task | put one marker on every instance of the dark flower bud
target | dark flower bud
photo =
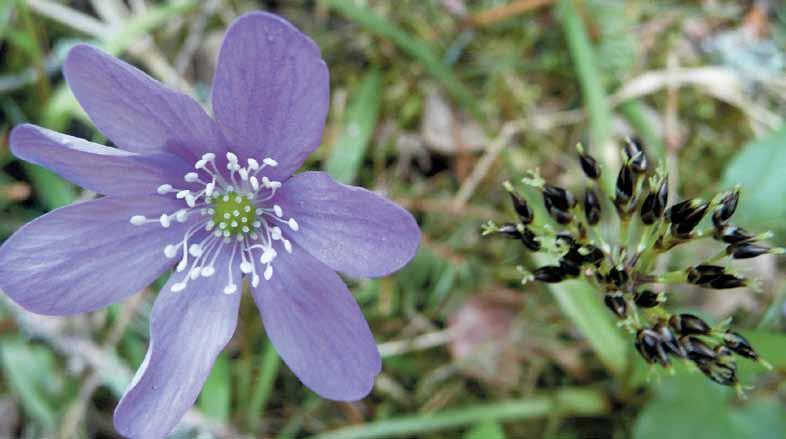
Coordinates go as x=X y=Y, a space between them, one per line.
x=549 y=274
x=697 y=350
x=529 y=239
x=590 y=166
x=739 y=345
x=746 y=250
x=646 y=299
x=509 y=230
x=616 y=303
x=703 y=273
x=724 y=373
x=663 y=197
x=689 y=221
x=669 y=341
x=635 y=153
x=732 y=234
x=592 y=208
x=626 y=184
x=569 y=267
x=649 y=346
x=522 y=208
x=648 y=216
x=727 y=281
x=617 y=276
x=592 y=255
x=557 y=197
x=688 y=324
x=682 y=210
x=726 y=208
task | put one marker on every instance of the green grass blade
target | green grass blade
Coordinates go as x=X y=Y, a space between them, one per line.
x=359 y=122
x=264 y=386
x=414 y=47
x=565 y=402
x=215 y=399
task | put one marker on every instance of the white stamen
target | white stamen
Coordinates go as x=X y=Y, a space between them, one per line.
x=178 y=287
x=270 y=162
x=293 y=224
x=170 y=251
x=209 y=157
x=275 y=233
x=255 y=281
x=254 y=183
x=232 y=158
x=246 y=267
x=287 y=245
x=229 y=289
x=277 y=209
x=164 y=189
x=195 y=250
x=138 y=220
x=181 y=216
x=165 y=221
x=253 y=164
x=268 y=272
x=208 y=271
x=191 y=177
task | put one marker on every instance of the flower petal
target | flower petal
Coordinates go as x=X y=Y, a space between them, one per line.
x=188 y=330
x=318 y=328
x=135 y=111
x=87 y=255
x=108 y=171
x=271 y=91
x=348 y=228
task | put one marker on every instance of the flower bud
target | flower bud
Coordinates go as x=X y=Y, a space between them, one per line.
x=616 y=303
x=739 y=345
x=732 y=234
x=727 y=281
x=669 y=341
x=703 y=273
x=746 y=250
x=592 y=207
x=726 y=209
x=689 y=324
x=697 y=350
x=508 y=230
x=636 y=156
x=558 y=203
x=529 y=239
x=589 y=165
x=522 y=208
x=649 y=346
x=626 y=184
x=549 y=274
x=646 y=299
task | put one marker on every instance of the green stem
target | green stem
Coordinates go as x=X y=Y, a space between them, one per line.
x=672 y=277
x=564 y=402
x=262 y=390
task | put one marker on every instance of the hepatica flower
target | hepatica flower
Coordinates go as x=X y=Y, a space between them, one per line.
x=214 y=198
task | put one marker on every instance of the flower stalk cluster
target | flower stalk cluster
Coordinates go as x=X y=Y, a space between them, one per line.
x=624 y=269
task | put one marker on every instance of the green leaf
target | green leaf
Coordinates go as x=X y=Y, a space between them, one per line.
x=359 y=122
x=29 y=369
x=414 y=47
x=264 y=385
x=486 y=430
x=760 y=169
x=216 y=397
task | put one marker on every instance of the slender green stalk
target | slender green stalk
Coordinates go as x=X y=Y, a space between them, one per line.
x=264 y=386
x=633 y=111
x=563 y=402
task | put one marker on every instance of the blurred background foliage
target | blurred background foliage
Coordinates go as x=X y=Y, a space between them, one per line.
x=434 y=104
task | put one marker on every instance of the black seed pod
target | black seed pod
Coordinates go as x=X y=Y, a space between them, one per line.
x=549 y=274
x=522 y=208
x=727 y=281
x=557 y=197
x=739 y=344
x=590 y=166
x=688 y=324
x=593 y=255
x=509 y=230
x=662 y=197
x=569 y=267
x=529 y=239
x=616 y=303
x=732 y=234
x=726 y=209
x=648 y=216
x=635 y=153
x=646 y=299
x=689 y=221
x=626 y=183
x=617 y=277
x=703 y=273
x=649 y=346
x=680 y=211
x=722 y=373
x=697 y=350
x=592 y=208
x=746 y=250
x=669 y=341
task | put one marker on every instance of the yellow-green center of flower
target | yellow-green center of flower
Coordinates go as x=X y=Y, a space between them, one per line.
x=233 y=213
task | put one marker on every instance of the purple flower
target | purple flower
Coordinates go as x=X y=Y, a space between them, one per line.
x=217 y=200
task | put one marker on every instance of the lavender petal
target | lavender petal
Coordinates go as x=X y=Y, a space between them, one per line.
x=318 y=328
x=188 y=329
x=271 y=91
x=87 y=255
x=348 y=228
x=135 y=111
x=108 y=171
